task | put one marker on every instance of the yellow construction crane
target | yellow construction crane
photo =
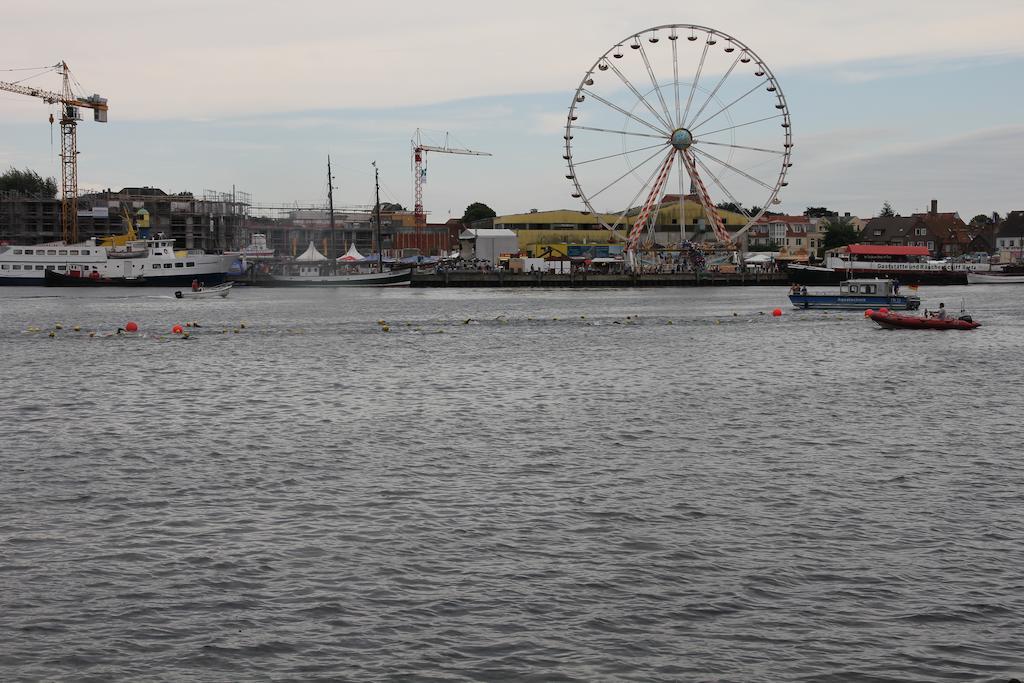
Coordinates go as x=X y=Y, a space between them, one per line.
x=70 y=115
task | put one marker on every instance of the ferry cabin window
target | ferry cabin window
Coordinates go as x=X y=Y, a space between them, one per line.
x=190 y=264
x=3 y=266
x=167 y=265
x=15 y=267
x=869 y=289
x=85 y=252
x=17 y=251
x=854 y=289
x=28 y=252
x=73 y=252
x=179 y=265
x=37 y=267
x=47 y=267
x=62 y=252
x=51 y=252
x=62 y=267
x=156 y=266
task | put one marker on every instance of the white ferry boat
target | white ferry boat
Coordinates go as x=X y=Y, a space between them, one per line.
x=909 y=265
x=153 y=261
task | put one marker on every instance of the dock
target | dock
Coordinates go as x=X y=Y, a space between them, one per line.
x=502 y=278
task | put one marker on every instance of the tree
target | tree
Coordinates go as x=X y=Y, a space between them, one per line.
x=391 y=206
x=981 y=219
x=819 y=212
x=28 y=182
x=887 y=210
x=839 y=232
x=477 y=211
x=730 y=206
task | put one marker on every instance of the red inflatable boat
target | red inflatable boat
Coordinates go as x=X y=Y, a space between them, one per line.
x=895 y=321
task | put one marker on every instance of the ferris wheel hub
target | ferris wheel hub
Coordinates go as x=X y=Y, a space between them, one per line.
x=682 y=138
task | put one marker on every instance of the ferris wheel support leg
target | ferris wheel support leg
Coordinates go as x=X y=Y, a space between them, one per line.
x=645 y=213
x=705 y=199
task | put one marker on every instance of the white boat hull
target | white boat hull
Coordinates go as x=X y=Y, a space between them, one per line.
x=991 y=279
x=392 y=278
x=205 y=293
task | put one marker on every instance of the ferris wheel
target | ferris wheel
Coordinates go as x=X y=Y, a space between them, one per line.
x=674 y=110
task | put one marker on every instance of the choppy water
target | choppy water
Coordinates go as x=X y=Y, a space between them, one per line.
x=508 y=485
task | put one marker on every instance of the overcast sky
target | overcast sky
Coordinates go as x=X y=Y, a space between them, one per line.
x=891 y=101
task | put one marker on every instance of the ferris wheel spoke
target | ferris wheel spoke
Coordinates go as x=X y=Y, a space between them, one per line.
x=623 y=111
x=675 y=77
x=654 y=83
x=740 y=125
x=620 y=154
x=718 y=86
x=717 y=181
x=734 y=169
x=641 y=98
x=780 y=152
x=619 y=132
x=628 y=171
x=696 y=80
x=726 y=107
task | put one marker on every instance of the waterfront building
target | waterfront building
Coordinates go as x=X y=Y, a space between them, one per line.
x=212 y=222
x=487 y=244
x=1010 y=238
x=944 y=234
x=537 y=230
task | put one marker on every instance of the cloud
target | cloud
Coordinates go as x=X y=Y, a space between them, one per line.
x=193 y=60
x=967 y=173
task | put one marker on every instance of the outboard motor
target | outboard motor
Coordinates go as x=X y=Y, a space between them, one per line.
x=966 y=318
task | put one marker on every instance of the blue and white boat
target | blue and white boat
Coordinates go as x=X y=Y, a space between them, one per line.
x=858 y=295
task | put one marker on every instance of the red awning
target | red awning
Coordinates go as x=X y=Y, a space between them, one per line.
x=882 y=250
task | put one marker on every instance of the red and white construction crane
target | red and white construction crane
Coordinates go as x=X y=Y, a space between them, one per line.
x=419 y=159
x=69 y=117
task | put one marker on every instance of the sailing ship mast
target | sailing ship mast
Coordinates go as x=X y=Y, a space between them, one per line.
x=376 y=210
x=330 y=205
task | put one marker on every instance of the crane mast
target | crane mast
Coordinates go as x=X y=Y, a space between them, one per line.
x=419 y=158
x=69 y=118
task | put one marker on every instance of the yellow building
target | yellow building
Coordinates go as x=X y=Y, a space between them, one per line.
x=541 y=231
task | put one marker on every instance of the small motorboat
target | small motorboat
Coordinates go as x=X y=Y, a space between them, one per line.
x=204 y=292
x=858 y=294
x=896 y=321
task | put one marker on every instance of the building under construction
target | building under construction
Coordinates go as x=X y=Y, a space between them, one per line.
x=214 y=221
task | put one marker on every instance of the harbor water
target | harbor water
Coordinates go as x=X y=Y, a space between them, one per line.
x=648 y=485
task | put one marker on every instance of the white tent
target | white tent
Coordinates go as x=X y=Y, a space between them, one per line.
x=311 y=254
x=351 y=255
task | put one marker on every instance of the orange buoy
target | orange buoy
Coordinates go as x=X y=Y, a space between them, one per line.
x=177 y=329
x=131 y=326
x=777 y=312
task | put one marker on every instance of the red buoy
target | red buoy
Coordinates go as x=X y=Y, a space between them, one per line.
x=177 y=329
x=777 y=312
x=131 y=326
x=868 y=313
